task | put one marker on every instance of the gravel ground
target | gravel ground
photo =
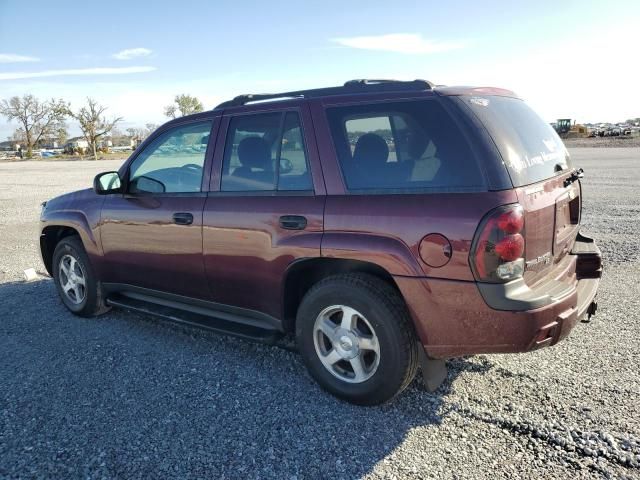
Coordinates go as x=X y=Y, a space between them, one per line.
x=603 y=142
x=127 y=396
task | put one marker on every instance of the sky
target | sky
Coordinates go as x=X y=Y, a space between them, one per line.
x=567 y=59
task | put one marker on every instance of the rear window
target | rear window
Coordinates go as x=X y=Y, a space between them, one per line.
x=402 y=146
x=530 y=147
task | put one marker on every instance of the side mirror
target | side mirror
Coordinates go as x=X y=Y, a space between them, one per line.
x=106 y=183
x=144 y=184
x=285 y=165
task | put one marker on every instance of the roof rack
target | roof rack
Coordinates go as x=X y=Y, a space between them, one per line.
x=352 y=86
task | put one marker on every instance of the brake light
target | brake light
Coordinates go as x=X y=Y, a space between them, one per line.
x=511 y=221
x=510 y=248
x=498 y=248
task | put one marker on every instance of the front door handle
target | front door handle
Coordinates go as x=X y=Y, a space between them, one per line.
x=293 y=222
x=182 y=218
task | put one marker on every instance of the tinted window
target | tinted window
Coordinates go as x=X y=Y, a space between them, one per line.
x=265 y=152
x=400 y=146
x=530 y=147
x=173 y=162
x=294 y=170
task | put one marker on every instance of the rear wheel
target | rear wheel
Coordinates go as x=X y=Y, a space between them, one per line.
x=74 y=278
x=356 y=338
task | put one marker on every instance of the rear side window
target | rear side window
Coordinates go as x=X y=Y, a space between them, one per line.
x=265 y=152
x=530 y=147
x=402 y=146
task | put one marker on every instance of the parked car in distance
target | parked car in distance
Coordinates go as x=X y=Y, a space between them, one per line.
x=387 y=225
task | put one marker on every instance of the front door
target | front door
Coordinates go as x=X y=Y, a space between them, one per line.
x=152 y=234
x=266 y=214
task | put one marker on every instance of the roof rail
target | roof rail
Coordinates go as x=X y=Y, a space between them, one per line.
x=352 y=86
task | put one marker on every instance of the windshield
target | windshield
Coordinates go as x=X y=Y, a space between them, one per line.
x=530 y=147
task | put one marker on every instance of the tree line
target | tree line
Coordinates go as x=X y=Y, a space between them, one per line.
x=45 y=120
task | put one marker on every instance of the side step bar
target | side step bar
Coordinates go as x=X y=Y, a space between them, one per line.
x=184 y=317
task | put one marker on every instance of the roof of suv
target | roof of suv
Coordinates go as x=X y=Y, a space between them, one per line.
x=364 y=87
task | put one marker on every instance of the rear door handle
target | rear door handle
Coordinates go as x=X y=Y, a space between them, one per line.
x=182 y=218
x=293 y=222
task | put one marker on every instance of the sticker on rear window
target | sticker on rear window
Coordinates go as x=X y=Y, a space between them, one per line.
x=550 y=144
x=483 y=102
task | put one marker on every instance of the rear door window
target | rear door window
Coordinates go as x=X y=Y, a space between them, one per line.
x=265 y=152
x=402 y=146
x=530 y=147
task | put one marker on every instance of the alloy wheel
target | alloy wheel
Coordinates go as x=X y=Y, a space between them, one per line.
x=72 y=279
x=346 y=344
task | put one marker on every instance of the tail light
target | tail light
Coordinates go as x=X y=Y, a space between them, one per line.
x=497 y=253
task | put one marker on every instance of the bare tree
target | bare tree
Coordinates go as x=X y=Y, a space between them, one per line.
x=93 y=124
x=183 y=105
x=37 y=118
x=139 y=134
x=57 y=134
x=151 y=127
x=18 y=136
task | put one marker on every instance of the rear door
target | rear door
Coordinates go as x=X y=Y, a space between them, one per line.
x=265 y=209
x=541 y=171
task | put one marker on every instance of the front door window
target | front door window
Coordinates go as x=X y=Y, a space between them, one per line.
x=173 y=162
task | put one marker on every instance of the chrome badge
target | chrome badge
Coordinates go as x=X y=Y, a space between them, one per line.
x=540 y=261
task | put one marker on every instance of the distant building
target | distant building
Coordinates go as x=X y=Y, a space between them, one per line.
x=77 y=142
x=105 y=143
x=76 y=145
x=9 y=146
x=48 y=144
x=122 y=141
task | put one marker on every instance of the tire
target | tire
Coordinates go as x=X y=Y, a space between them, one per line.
x=381 y=320
x=87 y=300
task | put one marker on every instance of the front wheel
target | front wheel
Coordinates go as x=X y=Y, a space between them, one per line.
x=356 y=338
x=75 y=281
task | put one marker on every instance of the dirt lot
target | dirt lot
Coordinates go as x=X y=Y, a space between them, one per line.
x=604 y=142
x=127 y=396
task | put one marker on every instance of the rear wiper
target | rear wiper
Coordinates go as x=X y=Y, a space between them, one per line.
x=575 y=175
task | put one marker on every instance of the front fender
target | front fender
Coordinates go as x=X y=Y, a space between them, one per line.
x=78 y=222
x=63 y=213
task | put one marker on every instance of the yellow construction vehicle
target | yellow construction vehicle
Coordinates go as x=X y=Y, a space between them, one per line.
x=566 y=129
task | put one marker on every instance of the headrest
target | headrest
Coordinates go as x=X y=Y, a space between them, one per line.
x=371 y=148
x=254 y=152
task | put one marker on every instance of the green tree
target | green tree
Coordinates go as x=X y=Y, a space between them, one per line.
x=38 y=119
x=183 y=105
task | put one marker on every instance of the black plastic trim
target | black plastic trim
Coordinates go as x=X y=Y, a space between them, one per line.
x=180 y=316
x=517 y=296
x=589 y=262
x=587 y=290
x=350 y=87
x=227 y=313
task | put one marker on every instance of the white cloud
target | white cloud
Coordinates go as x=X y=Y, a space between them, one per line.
x=533 y=75
x=76 y=71
x=13 y=58
x=130 y=53
x=410 y=43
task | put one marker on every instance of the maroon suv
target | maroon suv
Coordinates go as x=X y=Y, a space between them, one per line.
x=389 y=225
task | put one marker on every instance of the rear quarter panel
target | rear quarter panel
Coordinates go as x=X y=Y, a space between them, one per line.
x=387 y=229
